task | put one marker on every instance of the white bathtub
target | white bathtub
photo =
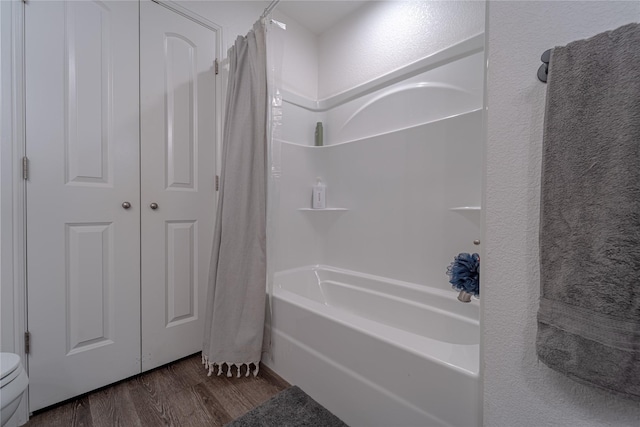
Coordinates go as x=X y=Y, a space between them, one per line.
x=376 y=351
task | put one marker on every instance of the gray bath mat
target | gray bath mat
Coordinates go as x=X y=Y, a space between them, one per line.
x=289 y=408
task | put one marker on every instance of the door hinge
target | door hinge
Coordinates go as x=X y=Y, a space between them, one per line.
x=27 y=342
x=217 y=182
x=25 y=167
x=215 y=66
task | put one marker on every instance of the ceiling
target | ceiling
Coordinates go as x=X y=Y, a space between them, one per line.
x=318 y=16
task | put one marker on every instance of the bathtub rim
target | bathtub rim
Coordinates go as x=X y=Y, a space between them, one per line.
x=412 y=287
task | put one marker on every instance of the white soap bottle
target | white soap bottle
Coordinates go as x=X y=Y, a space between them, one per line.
x=319 y=195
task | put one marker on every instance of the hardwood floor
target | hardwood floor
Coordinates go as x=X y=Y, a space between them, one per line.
x=179 y=394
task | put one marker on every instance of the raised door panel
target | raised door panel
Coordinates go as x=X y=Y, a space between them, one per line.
x=82 y=127
x=178 y=95
x=182 y=272
x=89 y=272
x=181 y=112
x=88 y=126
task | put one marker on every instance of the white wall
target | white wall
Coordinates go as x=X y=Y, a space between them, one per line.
x=300 y=60
x=519 y=390
x=383 y=36
x=235 y=17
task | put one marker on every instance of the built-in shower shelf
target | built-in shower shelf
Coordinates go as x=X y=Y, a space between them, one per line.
x=466 y=209
x=325 y=209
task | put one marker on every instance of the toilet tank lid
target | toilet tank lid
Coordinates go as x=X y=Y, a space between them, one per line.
x=9 y=362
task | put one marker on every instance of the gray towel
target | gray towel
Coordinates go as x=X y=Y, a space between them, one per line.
x=589 y=316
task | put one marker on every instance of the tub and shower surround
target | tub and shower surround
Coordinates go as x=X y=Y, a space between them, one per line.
x=404 y=161
x=364 y=319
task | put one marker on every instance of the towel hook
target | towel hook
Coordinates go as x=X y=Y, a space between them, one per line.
x=544 y=68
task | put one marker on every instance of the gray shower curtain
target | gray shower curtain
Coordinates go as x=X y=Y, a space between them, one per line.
x=234 y=320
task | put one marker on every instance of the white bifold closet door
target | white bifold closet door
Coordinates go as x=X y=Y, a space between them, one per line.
x=83 y=246
x=178 y=120
x=113 y=125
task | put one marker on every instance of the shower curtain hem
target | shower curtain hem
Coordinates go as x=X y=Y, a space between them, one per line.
x=210 y=366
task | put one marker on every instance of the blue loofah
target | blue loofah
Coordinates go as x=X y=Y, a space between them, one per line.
x=464 y=273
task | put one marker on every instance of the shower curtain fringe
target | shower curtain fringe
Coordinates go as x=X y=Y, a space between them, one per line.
x=210 y=366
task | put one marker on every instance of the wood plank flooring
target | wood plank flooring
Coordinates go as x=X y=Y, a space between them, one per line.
x=179 y=394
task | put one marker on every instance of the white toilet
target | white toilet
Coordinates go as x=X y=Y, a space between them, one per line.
x=13 y=383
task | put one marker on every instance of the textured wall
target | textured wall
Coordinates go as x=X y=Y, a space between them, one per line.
x=300 y=58
x=519 y=390
x=235 y=17
x=388 y=35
